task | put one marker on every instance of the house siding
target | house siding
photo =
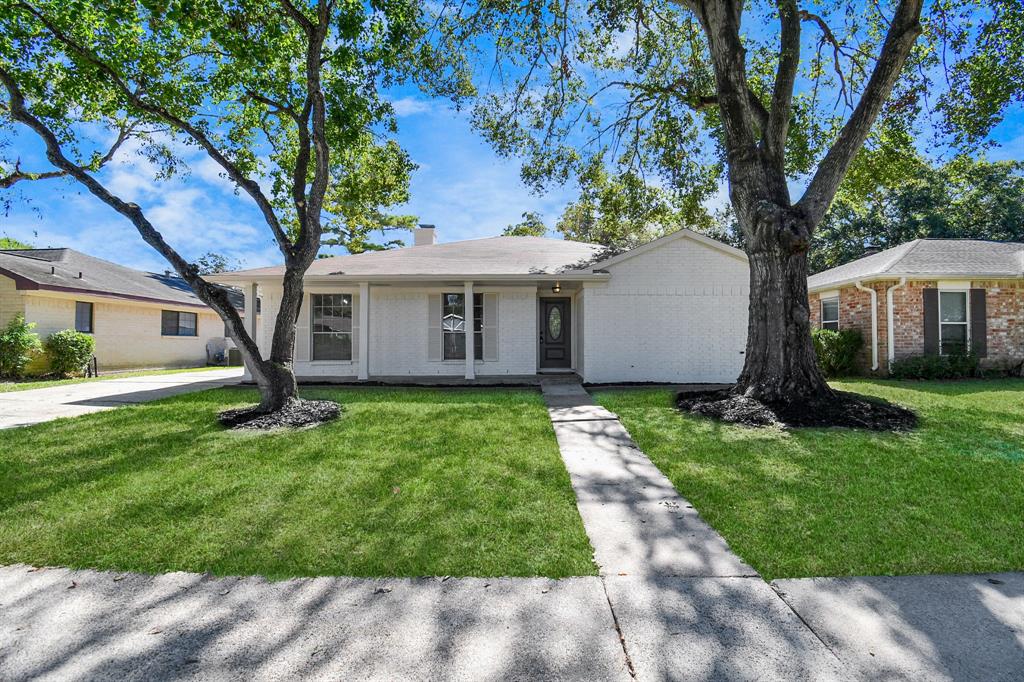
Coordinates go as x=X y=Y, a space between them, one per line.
x=676 y=313
x=399 y=325
x=128 y=335
x=1004 y=300
x=12 y=301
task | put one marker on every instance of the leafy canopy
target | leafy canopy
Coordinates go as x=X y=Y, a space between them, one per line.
x=161 y=74
x=628 y=86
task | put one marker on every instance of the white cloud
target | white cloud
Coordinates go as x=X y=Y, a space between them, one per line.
x=411 y=106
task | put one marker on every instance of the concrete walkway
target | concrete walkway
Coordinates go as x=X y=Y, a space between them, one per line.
x=686 y=605
x=21 y=408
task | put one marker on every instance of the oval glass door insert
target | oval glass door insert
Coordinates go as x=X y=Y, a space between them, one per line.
x=555 y=323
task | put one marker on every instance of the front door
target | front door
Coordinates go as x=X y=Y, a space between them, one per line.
x=555 y=351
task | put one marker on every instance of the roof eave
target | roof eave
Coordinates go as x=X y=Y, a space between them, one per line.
x=239 y=278
x=911 y=276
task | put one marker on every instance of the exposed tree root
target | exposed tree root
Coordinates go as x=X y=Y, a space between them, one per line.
x=842 y=409
x=295 y=414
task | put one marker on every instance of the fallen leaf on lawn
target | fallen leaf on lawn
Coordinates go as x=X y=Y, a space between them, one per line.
x=396 y=490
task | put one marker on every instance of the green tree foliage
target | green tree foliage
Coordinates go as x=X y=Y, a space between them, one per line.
x=11 y=243
x=532 y=225
x=366 y=180
x=211 y=263
x=774 y=98
x=284 y=96
x=964 y=198
x=17 y=344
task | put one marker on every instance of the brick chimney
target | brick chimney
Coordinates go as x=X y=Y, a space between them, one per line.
x=423 y=235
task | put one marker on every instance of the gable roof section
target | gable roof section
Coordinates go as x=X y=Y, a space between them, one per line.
x=930 y=258
x=492 y=257
x=58 y=270
x=683 y=233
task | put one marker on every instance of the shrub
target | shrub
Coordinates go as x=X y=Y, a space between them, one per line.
x=17 y=344
x=955 y=366
x=69 y=351
x=837 y=350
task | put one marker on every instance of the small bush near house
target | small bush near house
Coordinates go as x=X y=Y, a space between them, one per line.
x=837 y=350
x=955 y=366
x=17 y=344
x=69 y=352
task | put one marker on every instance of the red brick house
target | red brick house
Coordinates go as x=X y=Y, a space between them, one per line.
x=936 y=295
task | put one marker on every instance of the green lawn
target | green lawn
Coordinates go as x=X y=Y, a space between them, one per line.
x=947 y=498
x=8 y=386
x=408 y=482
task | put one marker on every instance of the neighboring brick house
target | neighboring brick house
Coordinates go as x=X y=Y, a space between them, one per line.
x=672 y=310
x=937 y=295
x=138 y=319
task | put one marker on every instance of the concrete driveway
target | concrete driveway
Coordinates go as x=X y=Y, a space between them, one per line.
x=21 y=408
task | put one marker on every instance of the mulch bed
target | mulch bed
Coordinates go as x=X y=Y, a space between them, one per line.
x=296 y=414
x=844 y=409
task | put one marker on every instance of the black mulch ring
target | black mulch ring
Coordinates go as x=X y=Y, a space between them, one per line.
x=296 y=414
x=844 y=409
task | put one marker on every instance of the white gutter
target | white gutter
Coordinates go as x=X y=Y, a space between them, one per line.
x=874 y=324
x=889 y=332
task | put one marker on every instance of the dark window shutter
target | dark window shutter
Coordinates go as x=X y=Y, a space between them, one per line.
x=931 y=321
x=979 y=323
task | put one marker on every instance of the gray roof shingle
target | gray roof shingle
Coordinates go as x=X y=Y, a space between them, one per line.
x=930 y=258
x=58 y=269
x=492 y=256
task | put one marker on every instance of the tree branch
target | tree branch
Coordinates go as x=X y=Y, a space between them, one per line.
x=213 y=296
x=8 y=181
x=776 y=129
x=899 y=41
x=250 y=186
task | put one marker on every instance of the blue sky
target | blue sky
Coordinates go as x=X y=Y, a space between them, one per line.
x=461 y=186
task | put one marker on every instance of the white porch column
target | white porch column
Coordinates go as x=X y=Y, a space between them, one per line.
x=470 y=336
x=364 y=331
x=250 y=292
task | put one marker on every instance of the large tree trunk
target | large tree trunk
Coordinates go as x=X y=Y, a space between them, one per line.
x=277 y=385
x=780 y=365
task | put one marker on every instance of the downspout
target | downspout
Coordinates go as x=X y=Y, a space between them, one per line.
x=890 y=332
x=874 y=324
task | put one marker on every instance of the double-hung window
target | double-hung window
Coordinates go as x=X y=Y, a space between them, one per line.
x=453 y=326
x=83 y=317
x=332 y=326
x=830 y=313
x=176 y=323
x=953 y=327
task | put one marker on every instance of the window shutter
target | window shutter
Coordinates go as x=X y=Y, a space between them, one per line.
x=434 y=327
x=490 y=326
x=931 y=321
x=355 y=326
x=979 y=323
x=302 y=336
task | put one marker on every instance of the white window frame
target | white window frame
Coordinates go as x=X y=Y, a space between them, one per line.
x=966 y=324
x=478 y=321
x=829 y=299
x=312 y=328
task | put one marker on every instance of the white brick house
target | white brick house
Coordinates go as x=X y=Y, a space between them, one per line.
x=673 y=310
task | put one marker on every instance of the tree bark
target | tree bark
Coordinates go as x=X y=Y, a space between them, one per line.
x=780 y=363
